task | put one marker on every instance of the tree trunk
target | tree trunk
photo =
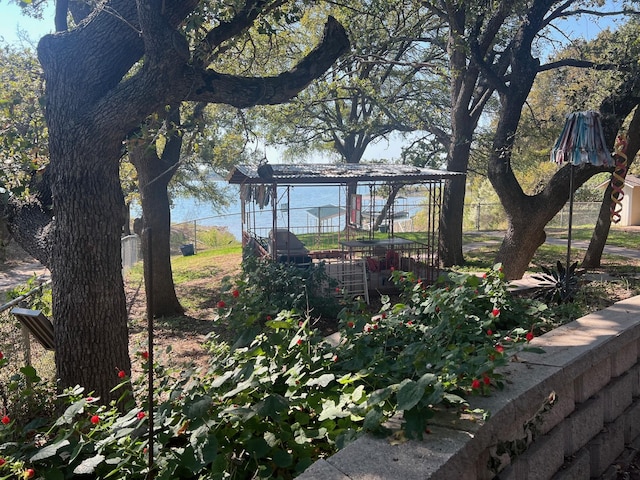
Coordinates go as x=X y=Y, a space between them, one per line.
x=451 y=215
x=466 y=106
x=154 y=175
x=89 y=307
x=593 y=255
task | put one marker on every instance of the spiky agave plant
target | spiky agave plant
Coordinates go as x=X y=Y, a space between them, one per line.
x=558 y=285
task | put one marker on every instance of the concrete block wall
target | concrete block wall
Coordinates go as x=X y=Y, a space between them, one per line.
x=565 y=414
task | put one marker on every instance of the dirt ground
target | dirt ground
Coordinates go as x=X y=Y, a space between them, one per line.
x=185 y=336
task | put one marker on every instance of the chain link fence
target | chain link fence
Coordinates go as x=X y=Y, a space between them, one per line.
x=491 y=216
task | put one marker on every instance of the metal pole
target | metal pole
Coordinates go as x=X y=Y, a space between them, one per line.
x=570 y=214
x=149 y=284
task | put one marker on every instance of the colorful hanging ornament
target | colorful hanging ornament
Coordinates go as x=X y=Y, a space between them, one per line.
x=618 y=176
x=582 y=141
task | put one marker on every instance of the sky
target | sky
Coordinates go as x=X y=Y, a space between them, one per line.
x=12 y=20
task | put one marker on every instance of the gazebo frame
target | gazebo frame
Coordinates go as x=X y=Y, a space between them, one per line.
x=260 y=186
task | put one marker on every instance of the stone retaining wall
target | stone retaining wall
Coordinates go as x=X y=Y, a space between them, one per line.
x=565 y=414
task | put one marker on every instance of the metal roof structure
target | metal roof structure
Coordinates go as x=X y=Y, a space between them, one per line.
x=287 y=174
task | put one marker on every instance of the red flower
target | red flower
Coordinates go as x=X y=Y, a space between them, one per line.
x=1 y=355
x=5 y=420
x=338 y=290
x=30 y=472
x=2 y=461
x=268 y=318
x=529 y=336
x=351 y=324
x=484 y=275
x=299 y=342
x=144 y=354
x=221 y=304
x=375 y=326
x=499 y=348
x=383 y=316
x=95 y=419
x=235 y=294
x=475 y=384
x=486 y=380
x=409 y=323
x=495 y=312
x=121 y=374
x=489 y=332
x=141 y=415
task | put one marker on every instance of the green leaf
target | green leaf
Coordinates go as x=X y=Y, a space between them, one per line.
x=283 y=459
x=272 y=406
x=49 y=450
x=330 y=411
x=70 y=413
x=54 y=474
x=322 y=380
x=379 y=396
x=88 y=466
x=410 y=392
x=278 y=324
x=373 y=420
x=198 y=408
x=258 y=447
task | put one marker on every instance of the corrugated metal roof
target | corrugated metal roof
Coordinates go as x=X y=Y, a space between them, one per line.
x=286 y=174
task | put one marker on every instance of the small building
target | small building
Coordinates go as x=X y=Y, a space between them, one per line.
x=365 y=247
x=630 y=213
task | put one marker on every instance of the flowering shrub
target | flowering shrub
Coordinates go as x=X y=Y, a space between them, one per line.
x=267 y=287
x=270 y=408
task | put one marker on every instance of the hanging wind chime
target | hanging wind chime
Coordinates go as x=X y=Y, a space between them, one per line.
x=581 y=141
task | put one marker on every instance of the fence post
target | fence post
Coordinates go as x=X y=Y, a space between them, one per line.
x=195 y=237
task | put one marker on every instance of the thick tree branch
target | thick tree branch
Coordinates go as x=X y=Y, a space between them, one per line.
x=30 y=225
x=135 y=98
x=242 y=20
x=241 y=92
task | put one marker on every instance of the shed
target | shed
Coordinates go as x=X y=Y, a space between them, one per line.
x=630 y=204
x=630 y=214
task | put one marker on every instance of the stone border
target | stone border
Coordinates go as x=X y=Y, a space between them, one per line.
x=565 y=414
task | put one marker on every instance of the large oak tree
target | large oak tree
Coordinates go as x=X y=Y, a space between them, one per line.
x=104 y=76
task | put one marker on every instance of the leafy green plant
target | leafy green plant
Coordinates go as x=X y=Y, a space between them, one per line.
x=40 y=294
x=267 y=287
x=271 y=406
x=558 y=285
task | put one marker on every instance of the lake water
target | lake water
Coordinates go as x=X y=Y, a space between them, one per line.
x=304 y=206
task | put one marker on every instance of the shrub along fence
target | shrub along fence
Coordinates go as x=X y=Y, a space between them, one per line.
x=564 y=414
